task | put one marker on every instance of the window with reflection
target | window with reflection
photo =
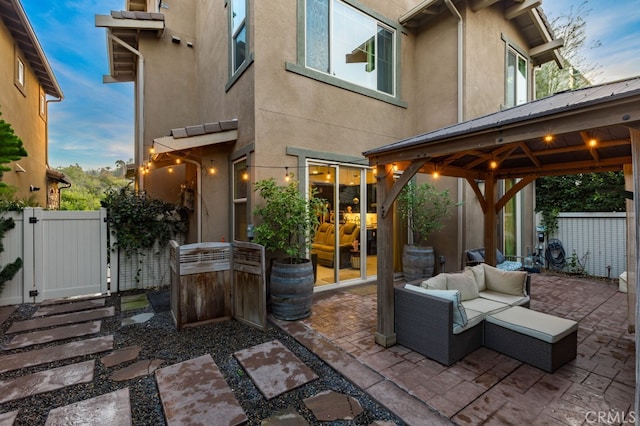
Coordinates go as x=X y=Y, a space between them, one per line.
x=516 y=73
x=238 y=33
x=350 y=45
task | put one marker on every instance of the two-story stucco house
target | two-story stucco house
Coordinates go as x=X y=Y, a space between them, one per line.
x=232 y=91
x=27 y=85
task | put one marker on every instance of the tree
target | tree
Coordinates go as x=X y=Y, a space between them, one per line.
x=88 y=188
x=11 y=149
x=577 y=71
x=588 y=192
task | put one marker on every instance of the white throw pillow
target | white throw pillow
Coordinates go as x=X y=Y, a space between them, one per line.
x=439 y=282
x=464 y=282
x=507 y=282
x=459 y=314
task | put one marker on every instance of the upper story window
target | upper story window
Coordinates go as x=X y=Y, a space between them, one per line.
x=20 y=72
x=42 y=109
x=350 y=45
x=517 y=79
x=238 y=33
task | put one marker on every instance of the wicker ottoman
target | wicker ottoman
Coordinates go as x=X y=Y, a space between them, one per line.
x=542 y=340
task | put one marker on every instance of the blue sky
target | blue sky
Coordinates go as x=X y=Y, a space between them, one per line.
x=93 y=125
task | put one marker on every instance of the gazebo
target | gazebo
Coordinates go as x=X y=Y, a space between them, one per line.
x=592 y=129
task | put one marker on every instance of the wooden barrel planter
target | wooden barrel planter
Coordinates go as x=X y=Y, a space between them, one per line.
x=417 y=262
x=291 y=289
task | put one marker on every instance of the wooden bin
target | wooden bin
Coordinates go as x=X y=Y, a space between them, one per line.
x=200 y=283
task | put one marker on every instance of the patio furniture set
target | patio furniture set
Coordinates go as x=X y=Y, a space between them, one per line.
x=452 y=314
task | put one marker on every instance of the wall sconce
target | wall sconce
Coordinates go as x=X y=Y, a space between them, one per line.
x=212 y=168
x=33 y=188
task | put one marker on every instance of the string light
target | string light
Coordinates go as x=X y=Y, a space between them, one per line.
x=593 y=142
x=287 y=178
x=493 y=164
x=395 y=167
x=170 y=169
x=152 y=150
x=178 y=161
x=548 y=138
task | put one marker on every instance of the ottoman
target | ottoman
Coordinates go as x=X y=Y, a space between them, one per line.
x=542 y=340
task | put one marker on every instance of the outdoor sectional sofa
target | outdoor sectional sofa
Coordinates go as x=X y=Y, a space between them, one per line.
x=505 y=263
x=450 y=315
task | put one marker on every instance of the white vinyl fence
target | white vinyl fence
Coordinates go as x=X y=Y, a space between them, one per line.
x=599 y=241
x=64 y=254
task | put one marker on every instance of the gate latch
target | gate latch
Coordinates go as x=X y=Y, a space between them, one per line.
x=33 y=293
x=33 y=219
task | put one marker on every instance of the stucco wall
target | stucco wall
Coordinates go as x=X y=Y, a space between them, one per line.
x=21 y=111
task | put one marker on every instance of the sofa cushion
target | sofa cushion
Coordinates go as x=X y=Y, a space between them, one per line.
x=478 y=273
x=474 y=256
x=508 y=282
x=505 y=298
x=465 y=282
x=473 y=318
x=438 y=282
x=541 y=326
x=485 y=306
x=459 y=314
x=509 y=265
x=499 y=257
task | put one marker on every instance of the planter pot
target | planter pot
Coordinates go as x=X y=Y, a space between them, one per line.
x=417 y=262
x=291 y=289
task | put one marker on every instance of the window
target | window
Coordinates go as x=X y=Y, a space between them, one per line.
x=517 y=78
x=238 y=33
x=240 y=185
x=350 y=45
x=20 y=74
x=43 y=104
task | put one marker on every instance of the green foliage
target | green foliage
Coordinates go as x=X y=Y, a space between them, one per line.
x=288 y=219
x=138 y=222
x=89 y=187
x=588 y=192
x=550 y=221
x=425 y=208
x=571 y=27
x=11 y=149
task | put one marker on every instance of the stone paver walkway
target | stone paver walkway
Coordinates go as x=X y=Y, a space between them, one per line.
x=62 y=319
x=109 y=409
x=63 y=308
x=486 y=387
x=45 y=381
x=56 y=353
x=53 y=334
x=273 y=368
x=191 y=389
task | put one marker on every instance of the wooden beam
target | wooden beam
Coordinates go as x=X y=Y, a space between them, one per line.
x=520 y=9
x=542 y=49
x=387 y=201
x=513 y=191
x=479 y=195
x=528 y=153
x=576 y=167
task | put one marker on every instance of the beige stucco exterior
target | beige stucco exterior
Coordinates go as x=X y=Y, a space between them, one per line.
x=281 y=110
x=25 y=108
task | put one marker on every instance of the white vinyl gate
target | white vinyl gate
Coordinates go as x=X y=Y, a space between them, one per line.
x=64 y=254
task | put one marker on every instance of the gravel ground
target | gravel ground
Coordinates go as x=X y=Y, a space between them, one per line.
x=158 y=338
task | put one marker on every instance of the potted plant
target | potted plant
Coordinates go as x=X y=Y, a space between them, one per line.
x=288 y=223
x=423 y=207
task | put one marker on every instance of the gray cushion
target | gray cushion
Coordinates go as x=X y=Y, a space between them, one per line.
x=474 y=256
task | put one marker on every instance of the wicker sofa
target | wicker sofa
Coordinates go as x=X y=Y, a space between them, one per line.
x=324 y=243
x=447 y=317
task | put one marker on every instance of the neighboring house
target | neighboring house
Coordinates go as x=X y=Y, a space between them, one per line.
x=231 y=92
x=27 y=85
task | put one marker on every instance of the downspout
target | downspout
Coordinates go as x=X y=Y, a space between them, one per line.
x=198 y=196
x=139 y=106
x=455 y=13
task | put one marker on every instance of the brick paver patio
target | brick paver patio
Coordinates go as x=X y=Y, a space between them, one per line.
x=490 y=388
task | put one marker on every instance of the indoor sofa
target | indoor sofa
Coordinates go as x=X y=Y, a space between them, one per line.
x=450 y=315
x=324 y=243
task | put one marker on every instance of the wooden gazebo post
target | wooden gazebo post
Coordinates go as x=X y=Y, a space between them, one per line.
x=490 y=219
x=385 y=334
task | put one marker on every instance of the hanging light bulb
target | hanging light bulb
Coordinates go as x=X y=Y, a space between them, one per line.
x=493 y=164
x=152 y=150
x=245 y=175
x=170 y=169
x=212 y=169
x=178 y=161
x=287 y=178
